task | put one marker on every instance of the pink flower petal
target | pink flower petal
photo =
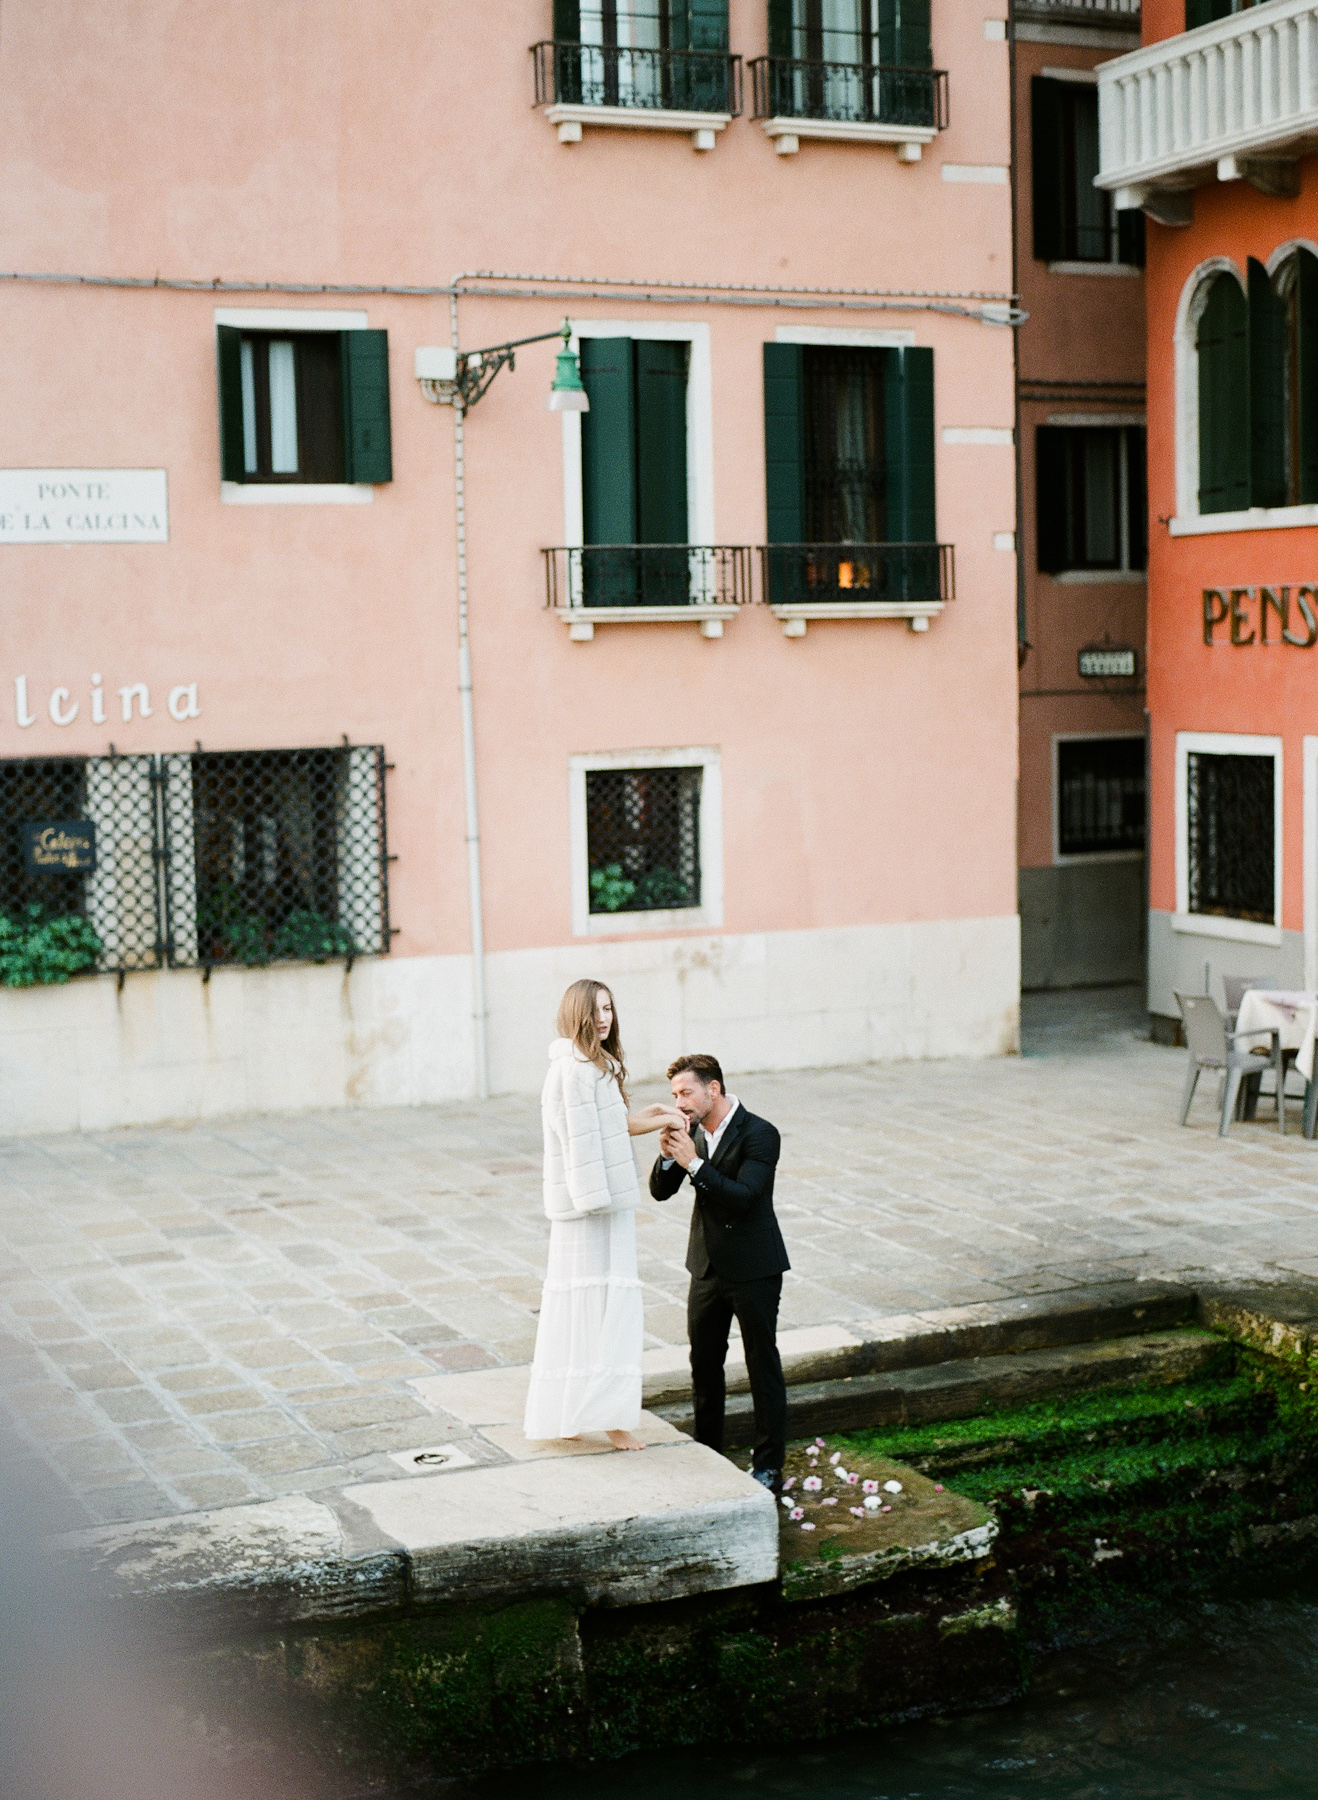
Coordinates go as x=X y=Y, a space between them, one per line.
x=857 y=1512
x=938 y=1487
x=852 y=1479
x=867 y=1487
x=836 y=1457
x=807 y=1526
x=797 y=1512
x=812 y=1483
x=820 y=1442
x=831 y=1501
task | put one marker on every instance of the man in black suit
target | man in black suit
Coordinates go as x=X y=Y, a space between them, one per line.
x=735 y=1252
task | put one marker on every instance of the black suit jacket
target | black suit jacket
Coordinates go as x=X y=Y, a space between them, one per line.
x=734 y=1232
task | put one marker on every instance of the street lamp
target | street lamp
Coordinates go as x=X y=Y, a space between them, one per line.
x=450 y=377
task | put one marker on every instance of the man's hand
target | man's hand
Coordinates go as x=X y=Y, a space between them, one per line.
x=677 y=1145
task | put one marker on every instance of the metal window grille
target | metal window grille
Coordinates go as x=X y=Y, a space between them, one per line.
x=1232 y=840
x=643 y=839
x=1100 y=799
x=199 y=859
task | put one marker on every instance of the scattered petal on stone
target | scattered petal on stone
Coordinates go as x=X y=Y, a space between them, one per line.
x=807 y=1526
x=831 y=1501
x=870 y=1487
x=812 y=1483
x=938 y=1487
x=797 y=1512
x=892 y=1487
x=786 y=1501
x=820 y=1442
x=872 y=1503
x=836 y=1457
x=857 y=1512
x=853 y=1478
x=887 y=1509
x=789 y=1483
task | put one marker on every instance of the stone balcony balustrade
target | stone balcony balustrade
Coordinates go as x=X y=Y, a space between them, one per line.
x=1237 y=99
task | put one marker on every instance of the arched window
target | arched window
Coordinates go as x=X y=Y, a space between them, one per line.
x=1224 y=441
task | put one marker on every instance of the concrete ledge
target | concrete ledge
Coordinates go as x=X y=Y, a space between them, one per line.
x=620 y=1530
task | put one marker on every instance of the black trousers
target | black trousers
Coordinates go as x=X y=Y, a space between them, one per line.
x=711 y=1306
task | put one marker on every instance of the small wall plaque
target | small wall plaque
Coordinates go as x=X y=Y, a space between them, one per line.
x=1107 y=659
x=53 y=847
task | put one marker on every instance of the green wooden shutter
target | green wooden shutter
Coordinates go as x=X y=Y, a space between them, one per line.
x=1137 y=495
x=784 y=460
x=229 y=352
x=608 y=442
x=1052 y=499
x=1047 y=162
x=367 y=450
x=567 y=61
x=784 y=466
x=914 y=41
x=780 y=28
x=567 y=21
x=1223 y=343
x=1267 y=390
x=908 y=417
x=661 y=514
x=1306 y=299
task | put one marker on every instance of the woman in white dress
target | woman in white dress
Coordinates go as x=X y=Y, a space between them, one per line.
x=586 y=1375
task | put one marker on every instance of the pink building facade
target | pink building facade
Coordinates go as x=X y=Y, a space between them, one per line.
x=343 y=723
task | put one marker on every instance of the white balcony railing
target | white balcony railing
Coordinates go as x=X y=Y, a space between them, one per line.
x=1235 y=98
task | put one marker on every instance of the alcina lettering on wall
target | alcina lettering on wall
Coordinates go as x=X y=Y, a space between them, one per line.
x=134 y=702
x=1247 y=614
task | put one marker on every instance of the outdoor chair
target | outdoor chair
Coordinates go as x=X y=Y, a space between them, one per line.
x=1235 y=987
x=1211 y=1046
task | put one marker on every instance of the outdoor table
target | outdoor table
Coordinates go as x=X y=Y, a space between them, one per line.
x=1293 y=1015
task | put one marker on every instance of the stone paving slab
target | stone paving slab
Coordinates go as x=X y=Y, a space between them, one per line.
x=208 y=1315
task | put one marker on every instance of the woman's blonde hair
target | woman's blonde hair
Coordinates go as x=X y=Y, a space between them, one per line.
x=576 y=1021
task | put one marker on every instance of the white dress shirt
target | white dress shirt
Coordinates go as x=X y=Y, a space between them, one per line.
x=712 y=1138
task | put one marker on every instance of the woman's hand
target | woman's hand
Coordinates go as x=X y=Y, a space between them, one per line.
x=654 y=1118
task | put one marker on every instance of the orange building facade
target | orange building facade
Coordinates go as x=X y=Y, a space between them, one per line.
x=1210 y=132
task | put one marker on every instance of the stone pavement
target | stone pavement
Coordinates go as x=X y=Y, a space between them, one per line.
x=202 y=1315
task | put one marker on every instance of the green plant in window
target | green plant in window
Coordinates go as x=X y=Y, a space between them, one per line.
x=310 y=937
x=40 y=952
x=662 y=888
x=245 y=939
x=610 y=890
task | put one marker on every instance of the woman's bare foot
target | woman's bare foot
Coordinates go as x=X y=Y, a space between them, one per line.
x=624 y=1440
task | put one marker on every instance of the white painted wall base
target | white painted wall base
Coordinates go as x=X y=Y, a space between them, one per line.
x=397 y=1031
x=1177 y=958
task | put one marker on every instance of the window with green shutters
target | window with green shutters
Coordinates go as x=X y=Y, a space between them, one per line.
x=665 y=54
x=634 y=471
x=1073 y=220
x=849 y=472
x=310 y=406
x=1092 y=506
x=892 y=32
x=1258 y=387
x=853 y=61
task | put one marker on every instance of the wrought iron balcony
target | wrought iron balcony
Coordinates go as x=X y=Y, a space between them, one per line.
x=875 y=102
x=801 y=582
x=1234 y=99
x=617 y=84
x=600 y=584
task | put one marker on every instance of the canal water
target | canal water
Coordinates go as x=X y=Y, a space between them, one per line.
x=1221 y=1703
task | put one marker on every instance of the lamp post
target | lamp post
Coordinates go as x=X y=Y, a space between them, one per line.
x=458 y=378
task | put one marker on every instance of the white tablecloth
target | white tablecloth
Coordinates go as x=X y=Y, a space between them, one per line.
x=1293 y=1015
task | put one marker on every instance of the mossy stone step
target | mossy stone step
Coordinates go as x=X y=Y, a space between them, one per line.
x=1213 y=1407
x=830 y=1542
x=979 y=1384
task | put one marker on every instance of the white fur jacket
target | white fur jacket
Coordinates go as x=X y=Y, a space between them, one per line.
x=589 y=1166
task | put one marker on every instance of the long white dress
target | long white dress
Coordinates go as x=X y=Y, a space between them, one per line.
x=586 y=1374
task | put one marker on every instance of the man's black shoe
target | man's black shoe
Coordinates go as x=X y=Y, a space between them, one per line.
x=769 y=1478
